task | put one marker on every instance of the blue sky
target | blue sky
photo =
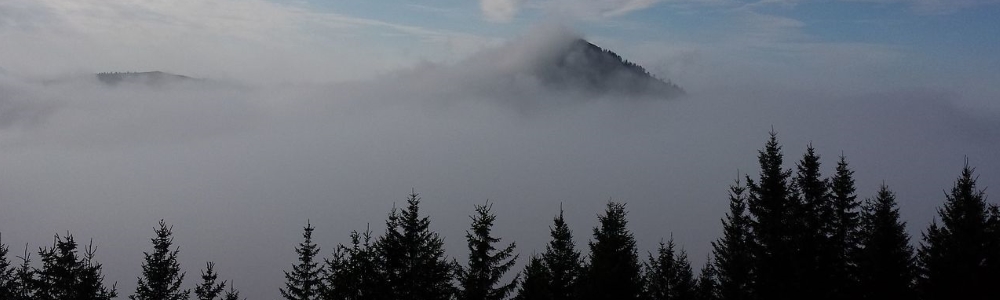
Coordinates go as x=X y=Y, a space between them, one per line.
x=866 y=44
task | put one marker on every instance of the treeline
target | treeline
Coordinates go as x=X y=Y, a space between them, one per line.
x=789 y=234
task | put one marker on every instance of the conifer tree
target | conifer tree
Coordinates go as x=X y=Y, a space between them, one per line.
x=303 y=282
x=8 y=275
x=536 y=282
x=958 y=258
x=161 y=272
x=562 y=260
x=814 y=217
x=734 y=259
x=353 y=272
x=24 y=276
x=772 y=205
x=413 y=258
x=614 y=271
x=65 y=275
x=480 y=280
x=669 y=275
x=232 y=294
x=885 y=261
x=845 y=236
x=209 y=289
x=708 y=284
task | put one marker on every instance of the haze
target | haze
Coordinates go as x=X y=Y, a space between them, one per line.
x=332 y=112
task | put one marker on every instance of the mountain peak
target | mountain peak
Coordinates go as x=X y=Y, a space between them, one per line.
x=581 y=64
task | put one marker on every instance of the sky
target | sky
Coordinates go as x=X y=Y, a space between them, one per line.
x=331 y=111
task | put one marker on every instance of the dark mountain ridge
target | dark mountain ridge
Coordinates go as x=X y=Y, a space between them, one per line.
x=586 y=66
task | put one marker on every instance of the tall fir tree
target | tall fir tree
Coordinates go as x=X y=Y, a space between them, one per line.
x=814 y=215
x=303 y=282
x=66 y=275
x=209 y=288
x=562 y=260
x=772 y=205
x=536 y=283
x=734 y=260
x=480 y=279
x=885 y=262
x=958 y=259
x=24 y=276
x=353 y=272
x=614 y=271
x=413 y=257
x=668 y=274
x=161 y=272
x=707 y=283
x=845 y=233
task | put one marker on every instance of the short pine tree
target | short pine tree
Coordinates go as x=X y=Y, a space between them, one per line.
x=209 y=288
x=353 y=272
x=562 y=260
x=161 y=272
x=8 y=275
x=65 y=275
x=707 y=284
x=668 y=274
x=734 y=259
x=958 y=258
x=413 y=260
x=614 y=271
x=480 y=279
x=303 y=282
x=885 y=260
x=536 y=281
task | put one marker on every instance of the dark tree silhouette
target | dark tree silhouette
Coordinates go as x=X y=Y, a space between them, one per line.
x=8 y=274
x=734 y=259
x=413 y=259
x=958 y=259
x=772 y=204
x=65 y=275
x=845 y=233
x=708 y=283
x=161 y=272
x=353 y=273
x=536 y=282
x=24 y=276
x=668 y=274
x=562 y=260
x=480 y=279
x=814 y=214
x=209 y=288
x=303 y=282
x=885 y=261
x=614 y=271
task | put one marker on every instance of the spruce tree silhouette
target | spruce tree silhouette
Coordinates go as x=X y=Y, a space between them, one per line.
x=886 y=267
x=480 y=279
x=733 y=254
x=209 y=289
x=536 y=282
x=845 y=234
x=668 y=274
x=562 y=260
x=303 y=282
x=413 y=257
x=24 y=278
x=958 y=259
x=772 y=204
x=161 y=272
x=8 y=275
x=707 y=283
x=65 y=275
x=353 y=272
x=814 y=214
x=614 y=271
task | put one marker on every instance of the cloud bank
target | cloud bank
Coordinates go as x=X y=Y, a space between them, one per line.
x=238 y=168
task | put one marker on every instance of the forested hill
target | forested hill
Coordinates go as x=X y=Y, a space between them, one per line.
x=588 y=66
